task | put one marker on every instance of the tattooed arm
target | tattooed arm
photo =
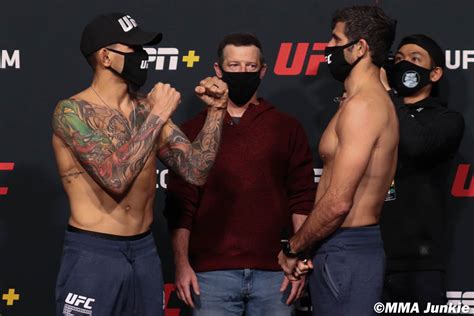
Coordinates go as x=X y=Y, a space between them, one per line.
x=193 y=161
x=110 y=158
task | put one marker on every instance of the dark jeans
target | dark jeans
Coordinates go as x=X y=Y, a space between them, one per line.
x=348 y=273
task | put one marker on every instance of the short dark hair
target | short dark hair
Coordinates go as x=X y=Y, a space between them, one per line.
x=238 y=39
x=371 y=24
x=92 y=60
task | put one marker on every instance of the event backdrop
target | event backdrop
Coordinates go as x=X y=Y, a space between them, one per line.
x=40 y=64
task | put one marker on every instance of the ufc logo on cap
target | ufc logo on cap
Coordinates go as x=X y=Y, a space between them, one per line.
x=127 y=23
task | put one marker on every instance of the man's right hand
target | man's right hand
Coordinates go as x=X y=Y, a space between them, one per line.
x=164 y=100
x=214 y=92
x=186 y=281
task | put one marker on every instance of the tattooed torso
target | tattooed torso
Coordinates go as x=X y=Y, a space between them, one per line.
x=95 y=132
x=108 y=162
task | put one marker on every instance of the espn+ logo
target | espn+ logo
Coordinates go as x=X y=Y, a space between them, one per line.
x=166 y=58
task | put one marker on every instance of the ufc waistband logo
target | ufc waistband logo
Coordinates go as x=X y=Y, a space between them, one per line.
x=77 y=300
x=127 y=23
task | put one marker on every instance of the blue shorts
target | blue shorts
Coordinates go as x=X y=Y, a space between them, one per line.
x=348 y=273
x=107 y=275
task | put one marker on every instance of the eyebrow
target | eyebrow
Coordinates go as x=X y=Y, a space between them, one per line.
x=335 y=36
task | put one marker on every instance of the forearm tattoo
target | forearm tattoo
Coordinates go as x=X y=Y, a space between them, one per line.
x=193 y=161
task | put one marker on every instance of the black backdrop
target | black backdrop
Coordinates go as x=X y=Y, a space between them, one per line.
x=40 y=63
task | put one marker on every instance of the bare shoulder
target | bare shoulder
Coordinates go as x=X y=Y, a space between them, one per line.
x=363 y=113
x=369 y=105
x=65 y=107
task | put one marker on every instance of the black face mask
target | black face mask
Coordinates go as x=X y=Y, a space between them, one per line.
x=242 y=85
x=407 y=78
x=338 y=65
x=135 y=67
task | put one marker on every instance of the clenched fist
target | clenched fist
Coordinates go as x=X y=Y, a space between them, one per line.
x=214 y=92
x=164 y=100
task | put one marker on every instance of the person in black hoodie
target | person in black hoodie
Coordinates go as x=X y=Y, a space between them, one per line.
x=414 y=215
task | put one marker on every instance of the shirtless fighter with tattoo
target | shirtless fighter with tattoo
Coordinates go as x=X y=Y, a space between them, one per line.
x=107 y=141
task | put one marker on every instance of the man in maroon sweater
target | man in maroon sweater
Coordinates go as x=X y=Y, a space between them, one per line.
x=226 y=234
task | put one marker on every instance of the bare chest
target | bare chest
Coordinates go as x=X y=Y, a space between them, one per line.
x=329 y=141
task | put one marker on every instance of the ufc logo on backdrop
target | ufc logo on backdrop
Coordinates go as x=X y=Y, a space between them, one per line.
x=170 y=311
x=8 y=60
x=318 y=172
x=460 y=59
x=5 y=166
x=162 y=178
x=78 y=300
x=459 y=185
x=127 y=23
x=285 y=66
x=459 y=297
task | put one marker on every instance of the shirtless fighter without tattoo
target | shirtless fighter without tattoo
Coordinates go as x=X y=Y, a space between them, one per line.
x=359 y=152
x=107 y=141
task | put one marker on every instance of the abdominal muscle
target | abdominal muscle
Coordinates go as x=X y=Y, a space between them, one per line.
x=370 y=193
x=93 y=209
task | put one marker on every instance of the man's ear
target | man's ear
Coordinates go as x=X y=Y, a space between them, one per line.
x=436 y=74
x=218 y=70
x=362 y=47
x=263 y=71
x=103 y=58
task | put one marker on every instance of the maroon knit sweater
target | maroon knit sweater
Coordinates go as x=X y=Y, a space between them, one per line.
x=262 y=175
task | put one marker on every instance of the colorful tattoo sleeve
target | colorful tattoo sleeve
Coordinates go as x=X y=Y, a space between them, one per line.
x=192 y=161
x=101 y=139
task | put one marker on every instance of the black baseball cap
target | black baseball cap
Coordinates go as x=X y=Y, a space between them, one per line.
x=113 y=28
x=428 y=44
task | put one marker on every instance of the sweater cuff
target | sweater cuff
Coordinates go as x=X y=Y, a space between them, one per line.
x=303 y=209
x=184 y=222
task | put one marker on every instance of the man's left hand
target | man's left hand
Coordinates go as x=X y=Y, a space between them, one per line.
x=297 y=289
x=288 y=265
